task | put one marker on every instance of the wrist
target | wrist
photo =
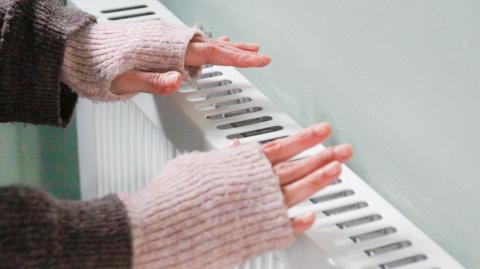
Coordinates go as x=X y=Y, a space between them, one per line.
x=98 y=54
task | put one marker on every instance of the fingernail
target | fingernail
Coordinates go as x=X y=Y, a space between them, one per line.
x=322 y=128
x=172 y=77
x=343 y=151
x=332 y=169
x=267 y=59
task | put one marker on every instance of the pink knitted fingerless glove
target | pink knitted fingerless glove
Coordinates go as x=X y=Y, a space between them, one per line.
x=209 y=210
x=96 y=55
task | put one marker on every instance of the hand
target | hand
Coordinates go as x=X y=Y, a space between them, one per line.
x=228 y=202
x=201 y=50
x=302 y=178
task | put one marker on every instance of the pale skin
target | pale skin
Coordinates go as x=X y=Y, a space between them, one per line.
x=299 y=179
x=201 y=50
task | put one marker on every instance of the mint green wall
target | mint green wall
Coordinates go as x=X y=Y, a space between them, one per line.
x=40 y=156
x=399 y=80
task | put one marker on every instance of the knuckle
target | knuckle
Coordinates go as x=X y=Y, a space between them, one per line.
x=313 y=184
x=210 y=47
x=242 y=57
x=305 y=135
x=310 y=132
x=153 y=81
x=326 y=155
x=284 y=168
x=317 y=181
x=275 y=146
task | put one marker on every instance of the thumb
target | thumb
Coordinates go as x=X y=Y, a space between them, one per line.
x=135 y=81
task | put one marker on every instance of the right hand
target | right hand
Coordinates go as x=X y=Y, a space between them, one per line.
x=302 y=178
x=216 y=209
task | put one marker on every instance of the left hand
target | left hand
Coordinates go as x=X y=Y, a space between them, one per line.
x=201 y=50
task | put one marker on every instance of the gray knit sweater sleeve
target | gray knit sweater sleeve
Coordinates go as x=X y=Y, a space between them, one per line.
x=39 y=231
x=32 y=44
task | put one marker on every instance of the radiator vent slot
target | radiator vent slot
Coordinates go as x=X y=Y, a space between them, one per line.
x=234 y=113
x=272 y=139
x=256 y=132
x=203 y=97
x=113 y=10
x=208 y=85
x=210 y=75
x=332 y=196
x=224 y=104
x=336 y=181
x=214 y=84
x=128 y=12
x=344 y=209
x=143 y=14
x=373 y=234
x=387 y=248
x=122 y=13
x=359 y=221
x=244 y=123
x=403 y=262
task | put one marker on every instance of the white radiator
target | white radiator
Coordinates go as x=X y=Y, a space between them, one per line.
x=123 y=145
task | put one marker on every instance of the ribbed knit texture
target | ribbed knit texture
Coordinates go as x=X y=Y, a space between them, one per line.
x=209 y=210
x=32 y=41
x=206 y=210
x=95 y=56
x=39 y=231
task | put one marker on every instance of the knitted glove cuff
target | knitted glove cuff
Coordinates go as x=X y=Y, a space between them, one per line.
x=209 y=210
x=99 y=53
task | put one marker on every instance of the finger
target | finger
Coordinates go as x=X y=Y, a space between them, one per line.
x=301 y=189
x=225 y=57
x=251 y=47
x=242 y=47
x=302 y=223
x=218 y=55
x=238 y=57
x=137 y=81
x=200 y=53
x=235 y=49
x=291 y=171
x=283 y=149
x=247 y=46
x=225 y=40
